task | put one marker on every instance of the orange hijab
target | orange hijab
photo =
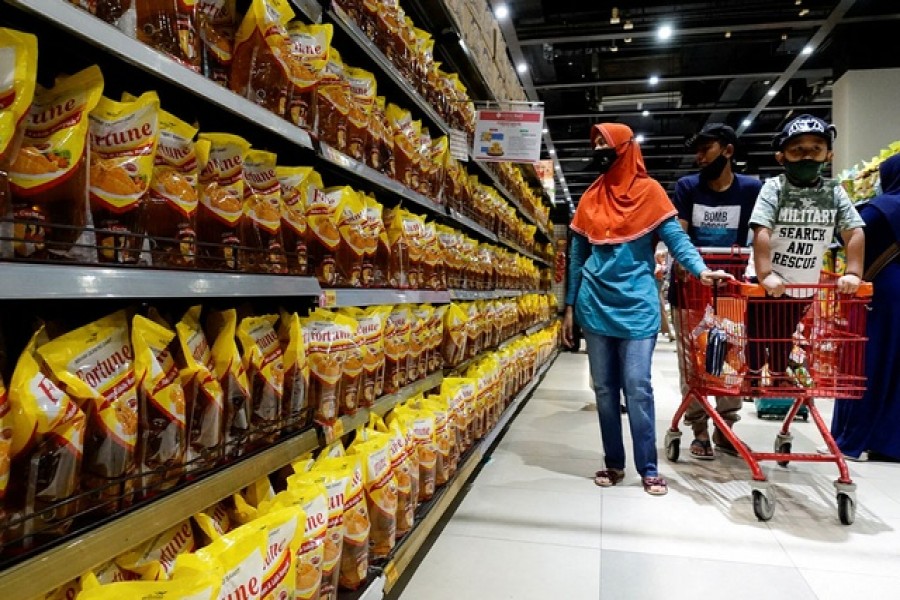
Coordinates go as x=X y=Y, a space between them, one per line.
x=625 y=203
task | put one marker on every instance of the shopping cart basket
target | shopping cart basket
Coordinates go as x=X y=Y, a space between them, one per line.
x=808 y=344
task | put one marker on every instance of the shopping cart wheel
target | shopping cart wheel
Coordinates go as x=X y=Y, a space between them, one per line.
x=763 y=505
x=673 y=445
x=783 y=446
x=846 y=509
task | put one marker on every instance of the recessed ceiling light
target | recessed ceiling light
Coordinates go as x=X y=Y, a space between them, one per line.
x=639 y=138
x=545 y=130
x=727 y=34
x=521 y=67
x=804 y=12
x=614 y=48
x=798 y=2
x=628 y=26
x=614 y=17
x=646 y=113
x=627 y=40
x=807 y=50
x=501 y=11
x=654 y=79
x=552 y=151
x=773 y=92
x=746 y=122
x=664 y=32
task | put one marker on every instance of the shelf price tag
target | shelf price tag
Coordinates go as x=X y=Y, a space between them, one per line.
x=333 y=432
x=391 y=574
x=328 y=299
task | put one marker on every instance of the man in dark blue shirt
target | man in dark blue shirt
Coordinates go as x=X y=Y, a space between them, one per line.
x=714 y=208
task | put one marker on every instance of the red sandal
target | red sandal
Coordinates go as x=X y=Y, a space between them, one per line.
x=655 y=486
x=608 y=477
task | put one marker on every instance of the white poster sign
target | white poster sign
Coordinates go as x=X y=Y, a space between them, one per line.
x=508 y=136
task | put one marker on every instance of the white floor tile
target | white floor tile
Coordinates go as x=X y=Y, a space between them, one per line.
x=837 y=585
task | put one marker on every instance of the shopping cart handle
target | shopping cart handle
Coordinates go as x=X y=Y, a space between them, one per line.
x=755 y=290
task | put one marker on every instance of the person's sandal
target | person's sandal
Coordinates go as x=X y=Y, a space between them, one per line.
x=608 y=477
x=655 y=486
x=702 y=450
x=723 y=444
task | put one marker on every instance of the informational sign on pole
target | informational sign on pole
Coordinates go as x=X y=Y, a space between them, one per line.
x=508 y=135
x=459 y=145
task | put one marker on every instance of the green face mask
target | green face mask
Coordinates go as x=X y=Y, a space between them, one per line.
x=803 y=171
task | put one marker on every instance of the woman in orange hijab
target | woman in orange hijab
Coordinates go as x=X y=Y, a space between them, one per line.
x=612 y=294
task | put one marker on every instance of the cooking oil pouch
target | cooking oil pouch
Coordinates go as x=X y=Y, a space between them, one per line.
x=260 y=66
x=362 y=92
x=455 y=335
x=263 y=362
x=169 y=26
x=198 y=586
x=299 y=186
x=381 y=491
x=407 y=498
x=323 y=212
x=285 y=529
x=295 y=401
x=310 y=46
x=95 y=363
x=18 y=59
x=155 y=559
x=212 y=523
x=216 y=23
x=336 y=478
x=162 y=441
x=397 y=330
x=351 y=224
x=261 y=232
x=124 y=137
x=232 y=376
x=207 y=414
x=221 y=207
x=371 y=324
x=330 y=338
x=49 y=175
x=237 y=559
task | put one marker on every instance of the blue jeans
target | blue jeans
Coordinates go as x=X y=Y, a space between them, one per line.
x=620 y=365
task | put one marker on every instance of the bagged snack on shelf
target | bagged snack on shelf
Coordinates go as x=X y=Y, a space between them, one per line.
x=312 y=498
x=328 y=338
x=381 y=490
x=455 y=338
x=261 y=63
x=372 y=324
x=124 y=138
x=336 y=481
x=310 y=47
x=461 y=393
x=362 y=101
x=285 y=529
x=444 y=435
x=43 y=432
x=333 y=98
x=155 y=559
x=169 y=26
x=353 y=370
x=197 y=586
x=402 y=467
x=263 y=362
x=380 y=147
x=417 y=361
x=95 y=365
x=162 y=438
x=355 y=552
x=378 y=255
x=237 y=560
x=295 y=413
x=406 y=151
x=49 y=175
x=170 y=210
x=421 y=424
x=298 y=187
x=397 y=329
x=204 y=397
x=405 y=232
x=212 y=523
x=323 y=238
x=351 y=223
x=261 y=230
x=232 y=376
x=433 y=275
x=19 y=51
x=216 y=23
x=220 y=210
x=435 y=337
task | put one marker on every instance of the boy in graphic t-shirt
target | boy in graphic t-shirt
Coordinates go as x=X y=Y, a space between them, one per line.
x=794 y=221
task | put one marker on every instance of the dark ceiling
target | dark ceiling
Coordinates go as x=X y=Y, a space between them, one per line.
x=719 y=65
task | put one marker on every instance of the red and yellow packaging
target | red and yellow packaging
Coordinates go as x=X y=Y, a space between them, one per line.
x=397 y=331
x=295 y=403
x=216 y=23
x=264 y=364
x=336 y=479
x=212 y=523
x=155 y=559
x=232 y=376
x=124 y=136
x=310 y=47
x=162 y=442
x=49 y=175
x=299 y=185
x=262 y=215
x=237 y=560
x=19 y=60
x=203 y=391
x=381 y=490
x=197 y=586
x=351 y=223
x=329 y=339
x=323 y=238
x=371 y=322
x=221 y=206
x=95 y=365
x=405 y=473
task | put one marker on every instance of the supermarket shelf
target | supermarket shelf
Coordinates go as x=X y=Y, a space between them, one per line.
x=80 y=23
x=334 y=298
x=339 y=159
x=542 y=325
x=44 y=281
x=349 y=27
x=386 y=403
x=522 y=251
x=471 y=295
x=405 y=554
x=59 y=565
x=466 y=363
x=472 y=225
x=310 y=9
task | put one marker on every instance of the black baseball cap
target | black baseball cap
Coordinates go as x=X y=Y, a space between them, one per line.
x=805 y=125
x=719 y=132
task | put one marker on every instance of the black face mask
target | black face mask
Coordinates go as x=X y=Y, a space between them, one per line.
x=713 y=170
x=603 y=160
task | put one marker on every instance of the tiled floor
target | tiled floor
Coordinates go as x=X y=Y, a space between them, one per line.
x=534 y=526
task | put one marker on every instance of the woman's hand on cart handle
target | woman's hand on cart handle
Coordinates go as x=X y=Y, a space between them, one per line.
x=773 y=284
x=709 y=277
x=848 y=283
x=568 y=321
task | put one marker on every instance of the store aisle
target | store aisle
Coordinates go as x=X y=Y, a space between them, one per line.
x=534 y=526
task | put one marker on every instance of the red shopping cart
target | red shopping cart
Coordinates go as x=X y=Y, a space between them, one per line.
x=806 y=345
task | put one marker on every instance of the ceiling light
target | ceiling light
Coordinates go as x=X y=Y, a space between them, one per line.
x=552 y=151
x=727 y=34
x=654 y=79
x=804 y=12
x=627 y=40
x=639 y=138
x=784 y=37
x=746 y=122
x=766 y=82
x=614 y=48
x=664 y=32
x=807 y=50
x=521 y=67
x=646 y=113
x=772 y=93
x=545 y=130
x=585 y=159
x=501 y=11
x=628 y=26
x=614 y=17
x=798 y=2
